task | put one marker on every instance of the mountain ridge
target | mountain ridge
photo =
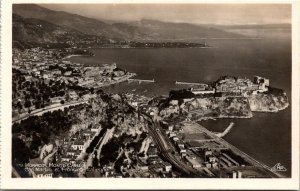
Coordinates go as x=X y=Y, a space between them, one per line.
x=143 y=30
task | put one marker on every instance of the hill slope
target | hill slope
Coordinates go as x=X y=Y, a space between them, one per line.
x=28 y=32
x=142 y=30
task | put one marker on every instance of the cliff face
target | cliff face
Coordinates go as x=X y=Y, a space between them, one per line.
x=269 y=102
x=212 y=107
x=201 y=108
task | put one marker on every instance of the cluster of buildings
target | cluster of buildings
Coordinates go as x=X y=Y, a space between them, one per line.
x=48 y=66
x=45 y=64
x=137 y=101
x=67 y=157
x=242 y=85
x=149 y=163
x=200 y=151
x=228 y=84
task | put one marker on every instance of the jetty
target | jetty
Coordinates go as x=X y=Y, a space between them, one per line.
x=225 y=131
x=190 y=83
x=140 y=80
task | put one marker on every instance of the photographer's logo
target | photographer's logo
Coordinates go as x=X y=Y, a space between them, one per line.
x=278 y=167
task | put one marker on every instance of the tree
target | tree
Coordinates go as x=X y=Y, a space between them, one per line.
x=27 y=104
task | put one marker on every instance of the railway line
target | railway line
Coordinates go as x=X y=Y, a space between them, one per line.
x=165 y=150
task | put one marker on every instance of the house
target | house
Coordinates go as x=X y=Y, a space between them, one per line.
x=171 y=127
x=65 y=158
x=38 y=169
x=45 y=76
x=144 y=167
x=211 y=158
x=68 y=73
x=70 y=152
x=180 y=143
x=77 y=144
x=95 y=128
x=87 y=133
x=168 y=166
x=173 y=102
x=73 y=95
x=154 y=160
x=175 y=139
x=172 y=134
x=193 y=162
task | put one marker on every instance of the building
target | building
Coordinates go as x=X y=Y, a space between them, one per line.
x=263 y=83
x=230 y=84
x=236 y=174
x=193 y=162
x=168 y=166
x=202 y=90
x=78 y=144
x=67 y=73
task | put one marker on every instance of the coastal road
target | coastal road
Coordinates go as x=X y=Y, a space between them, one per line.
x=39 y=112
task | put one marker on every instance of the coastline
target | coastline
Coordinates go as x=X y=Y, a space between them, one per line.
x=74 y=55
x=239 y=152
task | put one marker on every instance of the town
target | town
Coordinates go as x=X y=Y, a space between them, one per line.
x=43 y=78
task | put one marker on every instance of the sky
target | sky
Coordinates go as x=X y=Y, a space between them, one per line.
x=226 y=14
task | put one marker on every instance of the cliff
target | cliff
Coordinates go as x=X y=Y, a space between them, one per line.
x=272 y=101
x=211 y=107
x=208 y=107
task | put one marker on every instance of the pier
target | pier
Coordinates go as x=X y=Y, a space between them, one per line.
x=190 y=83
x=225 y=131
x=140 y=80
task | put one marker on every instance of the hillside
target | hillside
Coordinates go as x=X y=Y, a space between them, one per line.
x=158 y=30
x=28 y=32
x=141 y=30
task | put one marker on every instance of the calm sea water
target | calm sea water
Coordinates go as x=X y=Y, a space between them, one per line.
x=267 y=136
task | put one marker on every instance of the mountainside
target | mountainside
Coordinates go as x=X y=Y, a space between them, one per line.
x=77 y=22
x=158 y=30
x=39 y=31
x=141 y=30
x=28 y=32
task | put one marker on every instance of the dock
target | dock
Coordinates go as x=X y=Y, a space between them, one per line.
x=225 y=131
x=190 y=83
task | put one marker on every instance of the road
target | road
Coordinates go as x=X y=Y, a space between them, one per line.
x=42 y=111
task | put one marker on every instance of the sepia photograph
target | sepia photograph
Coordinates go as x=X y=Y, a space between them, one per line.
x=152 y=91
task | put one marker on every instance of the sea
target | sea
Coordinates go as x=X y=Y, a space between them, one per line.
x=267 y=136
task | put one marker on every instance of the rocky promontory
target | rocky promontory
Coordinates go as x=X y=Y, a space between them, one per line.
x=232 y=98
x=273 y=100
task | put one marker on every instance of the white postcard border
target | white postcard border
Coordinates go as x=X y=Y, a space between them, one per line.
x=139 y=183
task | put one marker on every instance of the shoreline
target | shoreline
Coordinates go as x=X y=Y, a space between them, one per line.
x=244 y=155
x=75 y=55
x=72 y=55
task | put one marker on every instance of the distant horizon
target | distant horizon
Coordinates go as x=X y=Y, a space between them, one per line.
x=214 y=14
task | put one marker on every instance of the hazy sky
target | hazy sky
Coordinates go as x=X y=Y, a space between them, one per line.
x=192 y=13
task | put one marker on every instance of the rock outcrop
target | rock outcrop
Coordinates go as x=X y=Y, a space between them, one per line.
x=208 y=107
x=272 y=101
